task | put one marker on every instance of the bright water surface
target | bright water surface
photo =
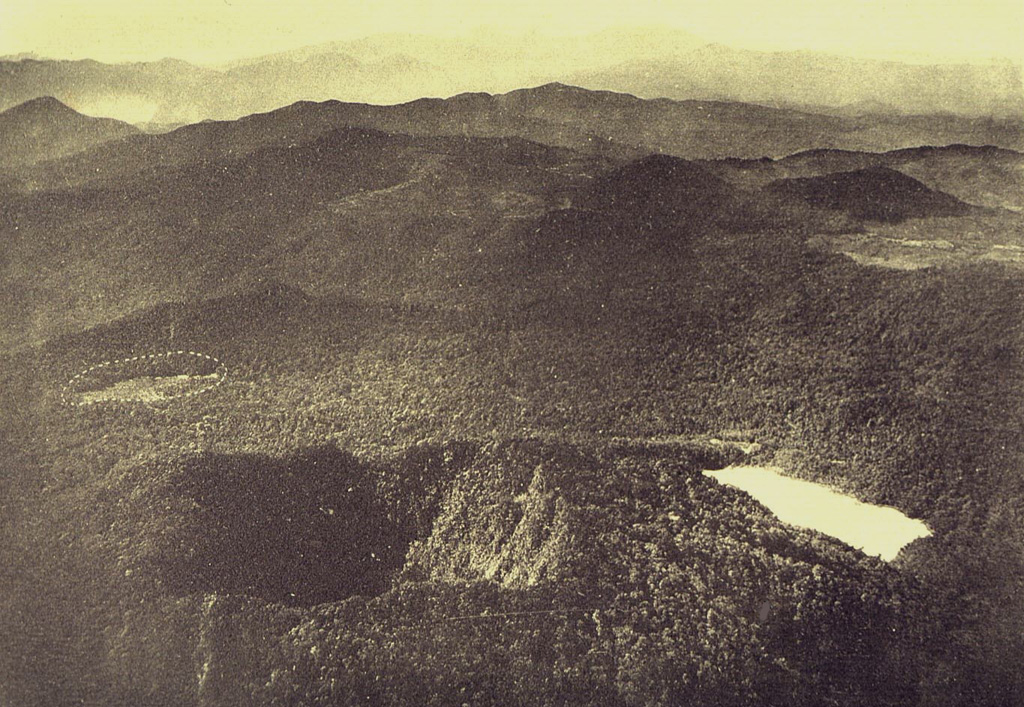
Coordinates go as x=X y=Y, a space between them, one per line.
x=877 y=530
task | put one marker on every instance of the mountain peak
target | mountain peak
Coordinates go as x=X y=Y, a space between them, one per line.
x=43 y=105
x=565 y=89
x=44 y=128
x=556 y=93
x=559 y=86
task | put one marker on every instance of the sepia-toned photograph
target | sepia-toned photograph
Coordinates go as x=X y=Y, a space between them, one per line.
x=535 y=353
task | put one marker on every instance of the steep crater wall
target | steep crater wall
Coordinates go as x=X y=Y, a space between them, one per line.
x=318 y=526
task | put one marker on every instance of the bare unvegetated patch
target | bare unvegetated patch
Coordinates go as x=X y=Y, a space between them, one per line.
x=894 y=262
x=149 y=378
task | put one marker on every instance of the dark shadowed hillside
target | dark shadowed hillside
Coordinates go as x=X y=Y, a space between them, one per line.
x=371 y=213
x=660 y=185
x=872 y=194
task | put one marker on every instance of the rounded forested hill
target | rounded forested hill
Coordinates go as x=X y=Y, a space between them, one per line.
x=873 y=194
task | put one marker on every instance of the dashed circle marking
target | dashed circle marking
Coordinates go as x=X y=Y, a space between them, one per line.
x=220 y=372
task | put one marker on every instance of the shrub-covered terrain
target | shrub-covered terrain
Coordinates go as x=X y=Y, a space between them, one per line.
x=415 y=506
x=465 y=391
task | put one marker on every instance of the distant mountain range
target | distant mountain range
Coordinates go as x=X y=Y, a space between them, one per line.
x=395 y=68
x=600 y=124
x=478 y=198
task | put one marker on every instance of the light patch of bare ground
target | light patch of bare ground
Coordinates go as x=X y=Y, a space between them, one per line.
x=925 y=243
x=894 y=262
x=148 y=378
x=150 y=389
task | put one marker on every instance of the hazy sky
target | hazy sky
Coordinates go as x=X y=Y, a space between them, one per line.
x=211 y=31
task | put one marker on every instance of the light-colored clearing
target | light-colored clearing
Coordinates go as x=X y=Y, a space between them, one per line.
x=895 y=262
x=149 y=389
